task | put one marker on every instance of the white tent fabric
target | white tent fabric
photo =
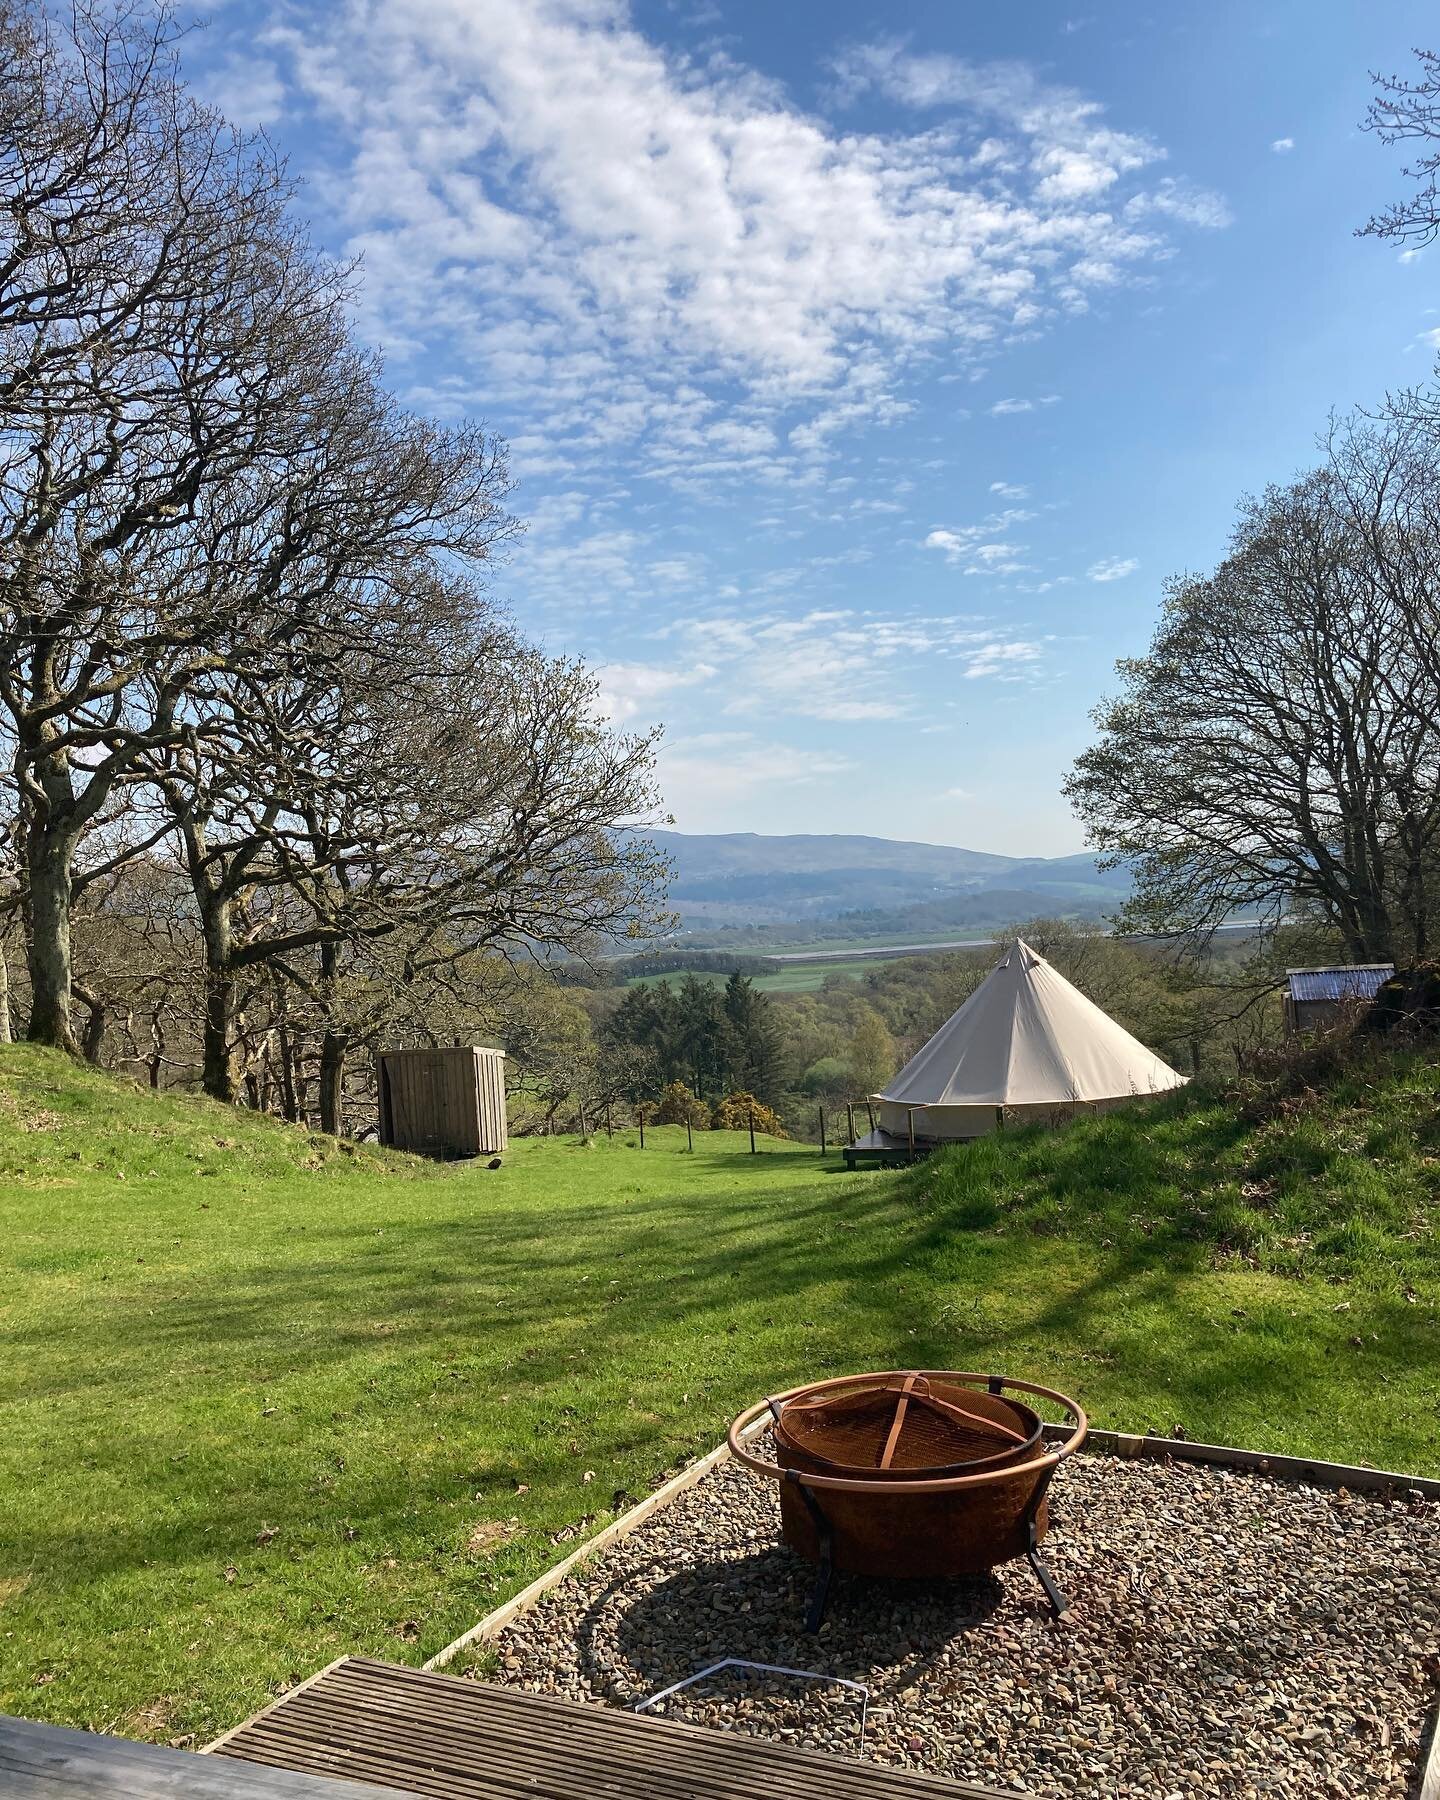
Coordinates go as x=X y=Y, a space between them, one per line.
x=1026 y=1041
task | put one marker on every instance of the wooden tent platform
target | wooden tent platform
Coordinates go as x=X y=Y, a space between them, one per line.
x=880 y=1150
x=454 y=1739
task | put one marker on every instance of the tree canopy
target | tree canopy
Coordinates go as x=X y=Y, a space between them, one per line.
x=1278 y=749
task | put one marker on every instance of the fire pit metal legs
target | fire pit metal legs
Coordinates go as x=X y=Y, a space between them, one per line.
x=1059 y=1602
x=820 y=1596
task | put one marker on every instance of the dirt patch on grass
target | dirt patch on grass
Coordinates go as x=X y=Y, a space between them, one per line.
x=491 y=1535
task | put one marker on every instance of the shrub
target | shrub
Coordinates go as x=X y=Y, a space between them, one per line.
x=1408 y=1001
x=678 y=1106
x=736 y=1112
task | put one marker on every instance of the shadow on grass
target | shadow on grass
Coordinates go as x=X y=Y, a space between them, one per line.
x=600 y=1314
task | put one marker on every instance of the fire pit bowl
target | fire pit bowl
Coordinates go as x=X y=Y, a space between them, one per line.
x=912 y=1473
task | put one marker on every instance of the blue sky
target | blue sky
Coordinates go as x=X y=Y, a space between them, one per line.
x=866 y=369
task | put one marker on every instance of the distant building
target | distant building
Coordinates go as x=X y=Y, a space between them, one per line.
x=1315 y=997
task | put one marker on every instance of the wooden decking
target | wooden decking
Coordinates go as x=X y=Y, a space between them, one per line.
x=882 y=1150
x=49 y=1762
x=454 y=1739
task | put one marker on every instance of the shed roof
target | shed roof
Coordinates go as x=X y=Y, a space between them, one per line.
x=1356 y=981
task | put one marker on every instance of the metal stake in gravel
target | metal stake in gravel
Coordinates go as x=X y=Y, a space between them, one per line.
x=912 y=1473
x=764 y=1668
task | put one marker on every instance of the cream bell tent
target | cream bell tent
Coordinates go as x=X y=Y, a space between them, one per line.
x=1025 y=1046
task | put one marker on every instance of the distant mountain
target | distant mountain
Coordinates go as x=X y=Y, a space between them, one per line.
x=745 y=878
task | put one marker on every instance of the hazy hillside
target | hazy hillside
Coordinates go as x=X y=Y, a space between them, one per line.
x=747 y=879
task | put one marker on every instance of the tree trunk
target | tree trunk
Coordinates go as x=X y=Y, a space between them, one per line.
x=287 y=1073
x=219 y=1071
x=332 y=1077
x=48 y=952
x=6 y=1033
x=92 y=1044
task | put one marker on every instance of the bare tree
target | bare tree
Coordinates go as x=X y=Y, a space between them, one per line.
x=193 y=462
x=1408 y=112
x=446 y=790
x=1279 y=747
x=160 y=322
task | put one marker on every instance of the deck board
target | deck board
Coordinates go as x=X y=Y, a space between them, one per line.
x=52 y=1762
x=453 y=1739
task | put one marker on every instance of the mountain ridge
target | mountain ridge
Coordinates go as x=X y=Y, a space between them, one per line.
x=753 y=878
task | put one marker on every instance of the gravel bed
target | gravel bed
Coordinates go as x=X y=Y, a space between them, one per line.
x=1230 y=1635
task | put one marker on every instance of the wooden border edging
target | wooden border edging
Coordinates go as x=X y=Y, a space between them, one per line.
x=1430 y=1768
x=497 y=1620
x=1131 y=1445
x=274 y=1700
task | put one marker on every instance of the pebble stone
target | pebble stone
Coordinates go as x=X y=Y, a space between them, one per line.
x=1230 y=1635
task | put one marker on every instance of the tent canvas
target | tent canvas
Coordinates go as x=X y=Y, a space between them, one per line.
x=1026 y=1044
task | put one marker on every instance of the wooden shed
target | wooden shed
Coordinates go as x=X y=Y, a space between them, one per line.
x=443 y=1102
x=1315 y=998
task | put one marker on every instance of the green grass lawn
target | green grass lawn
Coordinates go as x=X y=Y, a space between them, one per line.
x=265 y=1399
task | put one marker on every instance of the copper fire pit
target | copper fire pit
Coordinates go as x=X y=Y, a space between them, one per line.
x=912 y=1473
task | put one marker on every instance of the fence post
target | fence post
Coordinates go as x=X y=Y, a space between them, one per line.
x=822 y=1130
x=870 y=1114
x=640 y=1120
x=583 y=1133
x=752 y=1130
x=689 y=1134
x=608 y=1131
x=910 y=1122
x=849 y=1122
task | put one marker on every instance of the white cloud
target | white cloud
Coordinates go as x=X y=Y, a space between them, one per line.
x=830 y=665
x=1431 y=338
x=1113 y=568
x=957 y=793
x=713 y=770
x=1283 y=146
x=1002 y=408
x=631 y=691
x=633 y=249
x=1007 y=661
x=1411 y=255
x=590 y=570
x=1010 y=490
x=248 y=89
x=1180 y=200
x=978 y=547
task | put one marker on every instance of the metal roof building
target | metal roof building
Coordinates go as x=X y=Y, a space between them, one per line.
x=1315 y=996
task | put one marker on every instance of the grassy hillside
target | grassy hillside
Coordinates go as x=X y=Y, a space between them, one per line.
x=264 y=1399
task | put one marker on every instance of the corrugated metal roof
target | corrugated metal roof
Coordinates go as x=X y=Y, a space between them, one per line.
x=1353 y=983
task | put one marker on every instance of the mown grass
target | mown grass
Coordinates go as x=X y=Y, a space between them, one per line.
x=264 y=1399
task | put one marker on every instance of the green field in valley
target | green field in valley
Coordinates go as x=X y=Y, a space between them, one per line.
x=265 y=1398
x=789 y=978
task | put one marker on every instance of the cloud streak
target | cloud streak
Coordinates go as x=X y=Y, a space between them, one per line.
x=1112 y=568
